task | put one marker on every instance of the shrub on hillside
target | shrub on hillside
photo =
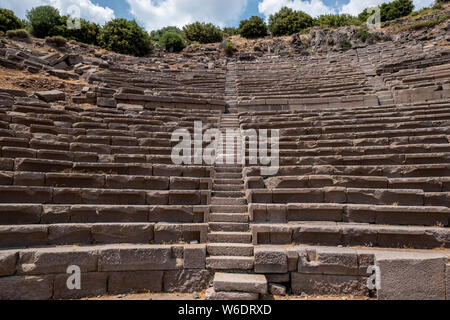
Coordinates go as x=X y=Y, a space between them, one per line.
x=253 y=28
x=203 y=32
x=390 y=11
x=336 y=20
x=44 y=21
x=172 y=42
x=287 y=22
x=57 y=41
x=88 y=32
x=156 y=35
x=8 y=21
x=125 y=37
x=19 y=33
x=345 y=44
x=230 y=31
x=229 y=48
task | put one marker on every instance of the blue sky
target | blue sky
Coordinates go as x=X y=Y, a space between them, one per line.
x=122 y=8
x=155 y=14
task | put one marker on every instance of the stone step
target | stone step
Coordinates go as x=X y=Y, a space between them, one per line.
x=228 y=209
x=230 y=249
x=391 y=171
x=229 y=169
x=228 y=166
x=427 y=184
x=229 y=217
x=351 y=213
x=100 y=233
x=351 y=234
x=211 y=294
x=228 y=194
x=229 y=181
x=228 y=201
x=236 y=282
x=229 y=263
x=228 y=187
x=229 y=175
x=36 y=213
x=229 y=226
x=365 y=196
x=49 y=195
x=230 y=237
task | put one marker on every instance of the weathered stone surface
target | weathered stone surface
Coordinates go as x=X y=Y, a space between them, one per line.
x=333 y=261
x=92 y=285
x=122 y=233
x=328 y=284
x=136 y=281
x=278 y=278
x=211 y=294
x=194 y=256
x=23 y=235
x=51 y=96
x=106 y=102
x=145 y=258
x=277 y=289
x=20 y=214
x=8 y=260
x=62 y=234
x=26 y=288
x=447 y=273
x=270 y=260
x=56 y=260
x=411 y=276
x=186 y=280
x=229 y=282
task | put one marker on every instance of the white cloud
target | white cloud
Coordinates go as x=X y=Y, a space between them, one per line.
x=155 y=14
x=354 y=7
x=317 y=7
x=312 y=7
x=87 y=9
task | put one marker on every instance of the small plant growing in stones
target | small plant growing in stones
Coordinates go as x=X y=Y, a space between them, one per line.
x=21 y=34
x=345 y=44
x=257 y=48
x=56 y=41
x=229 y=48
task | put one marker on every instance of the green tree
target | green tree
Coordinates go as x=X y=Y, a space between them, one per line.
x=8 y=21
x=230 y=31
x=172 y=41
x=123 y=36
x=43 y=20
x=157 y=34
x=336 y=20
x=390 y=11
x=88 y=32
x=253 y=28
x=287 y=22
x=203 y=32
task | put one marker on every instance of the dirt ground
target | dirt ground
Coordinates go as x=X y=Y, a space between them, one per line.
x=24 y=80
x=190 y=296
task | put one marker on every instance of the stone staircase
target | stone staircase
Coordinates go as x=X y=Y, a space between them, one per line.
x=229 y=239
x=231 y=88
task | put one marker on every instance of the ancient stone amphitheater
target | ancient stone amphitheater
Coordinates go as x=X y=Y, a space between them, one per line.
x=363 y=183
